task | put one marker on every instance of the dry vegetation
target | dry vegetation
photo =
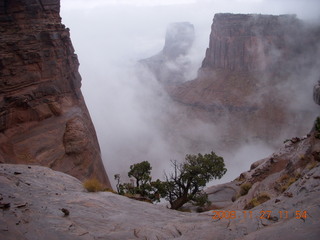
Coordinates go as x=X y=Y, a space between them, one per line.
x=244 y=188
x=284 y=182
x=93 y=185
x=261 y=198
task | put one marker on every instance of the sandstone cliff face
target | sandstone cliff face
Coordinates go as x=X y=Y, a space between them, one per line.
x=246 y=42
x=257 y=72
x=43 y=116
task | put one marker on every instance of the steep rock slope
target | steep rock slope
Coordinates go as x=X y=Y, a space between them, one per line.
x=258 y=72
x=273 y=177
x=43 y=116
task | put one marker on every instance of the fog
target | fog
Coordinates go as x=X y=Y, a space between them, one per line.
x=134 y=118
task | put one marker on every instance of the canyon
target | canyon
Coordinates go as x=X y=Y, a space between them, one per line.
x=255 y=79
x=44 y=121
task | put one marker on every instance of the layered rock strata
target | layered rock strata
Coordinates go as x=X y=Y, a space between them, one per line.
x=43 y=116
x=248 y=42
x=257 y=72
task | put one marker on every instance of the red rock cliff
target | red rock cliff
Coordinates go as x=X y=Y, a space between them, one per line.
x=258 y=71
x=247 y=42
x=43 y=116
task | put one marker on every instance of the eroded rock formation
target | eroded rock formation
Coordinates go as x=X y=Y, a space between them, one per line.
x=248 y=42
x=257 y=72
x=43 y=116
x=170 y=66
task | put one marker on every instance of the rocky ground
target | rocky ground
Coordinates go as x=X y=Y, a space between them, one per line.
x=37 y=202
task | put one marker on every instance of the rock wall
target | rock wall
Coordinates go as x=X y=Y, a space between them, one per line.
x=249 y=42
x=43 y=116
x=258 y=71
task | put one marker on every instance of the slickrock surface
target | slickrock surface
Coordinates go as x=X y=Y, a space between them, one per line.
x=39 y=203
x=277 y=175
x=289 y=180
x=43 y=116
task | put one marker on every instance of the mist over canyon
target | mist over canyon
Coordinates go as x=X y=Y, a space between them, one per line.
x=135 y=117
x=157 y=90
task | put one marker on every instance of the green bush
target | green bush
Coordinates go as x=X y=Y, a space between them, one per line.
x=184 y=184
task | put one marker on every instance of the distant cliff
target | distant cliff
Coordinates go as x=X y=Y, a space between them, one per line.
x=248 y=42
x=258 y=72
x=171 y=65
x=43 y=116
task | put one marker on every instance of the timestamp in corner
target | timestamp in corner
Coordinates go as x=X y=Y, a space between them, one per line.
x=263 y=214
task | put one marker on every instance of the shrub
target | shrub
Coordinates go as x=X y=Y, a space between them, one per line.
x=93 y=185
x=244 y=188
x=285 y=181
x=188 y=179
x=285 y=186
x=261 y=198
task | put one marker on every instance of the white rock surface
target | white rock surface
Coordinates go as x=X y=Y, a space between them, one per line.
x=37 y=195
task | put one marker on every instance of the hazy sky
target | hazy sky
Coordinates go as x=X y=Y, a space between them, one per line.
x=110 y=36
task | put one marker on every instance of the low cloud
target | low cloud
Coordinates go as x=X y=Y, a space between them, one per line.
x=134 y=118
